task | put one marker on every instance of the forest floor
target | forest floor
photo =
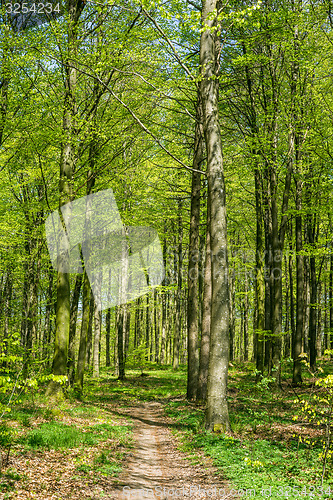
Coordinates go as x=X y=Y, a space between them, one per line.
x=157 y=469
x=140 y=438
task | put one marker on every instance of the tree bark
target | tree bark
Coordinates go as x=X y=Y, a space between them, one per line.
x=72 y=329
x=206 y=318
x=67 y=165
x=193 y=263
x=217 y=413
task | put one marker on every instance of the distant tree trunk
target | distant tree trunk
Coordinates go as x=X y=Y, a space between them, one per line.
x=48 y=309
x=319 y=321
x=164 y=308
x=297 y=368
x=127 y=329
x=122 y=310
x=179 y=266
x=193 y=263
x=217 y=414
x=206 y=318
x=81 y=360
x=292 y=305
x=313 y=301
x=147 y=327
x=121 y=321
x=72 y=329
x=330 y=292
x=232 y=318
x=246 y=323
x=306 y=313
x=326 y=323
x=90 y=330
x=97 y=338
x=107 y=337
x=260 y=277
x=156 y=329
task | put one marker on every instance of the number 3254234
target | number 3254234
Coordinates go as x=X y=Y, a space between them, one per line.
x=38 y=8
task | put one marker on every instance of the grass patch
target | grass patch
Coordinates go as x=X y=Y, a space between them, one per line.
x=57 y=435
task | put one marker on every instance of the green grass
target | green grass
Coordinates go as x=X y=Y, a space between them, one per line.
x=56 y=435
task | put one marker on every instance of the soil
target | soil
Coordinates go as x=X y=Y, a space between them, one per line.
x=157 y=470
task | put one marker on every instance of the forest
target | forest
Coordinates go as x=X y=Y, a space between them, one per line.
x=193 y=142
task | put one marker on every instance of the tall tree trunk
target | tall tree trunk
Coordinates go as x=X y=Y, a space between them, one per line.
x=67 y=166
x=193 y=263
x=217 y=413
x=206 y=318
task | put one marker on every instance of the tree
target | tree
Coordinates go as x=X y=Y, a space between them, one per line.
x=217 y=414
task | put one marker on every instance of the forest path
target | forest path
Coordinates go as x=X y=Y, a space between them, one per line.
x=156 y=469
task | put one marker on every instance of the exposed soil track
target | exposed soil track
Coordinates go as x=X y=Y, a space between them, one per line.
x=156 y=469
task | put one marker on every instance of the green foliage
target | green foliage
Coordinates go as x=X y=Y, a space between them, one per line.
x=318 y=410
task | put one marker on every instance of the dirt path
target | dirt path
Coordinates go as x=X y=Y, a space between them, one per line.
x=157 y=470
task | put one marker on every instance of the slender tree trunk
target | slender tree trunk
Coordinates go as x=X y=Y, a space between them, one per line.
x=81 y=360
x=107 y=337
x=297 y=368
x=72 y=329
x=330 y=292
x=193 y=263
x=232 y=314
x=179 y=267
x=319 y=321
x=97 y=338
x=260 y=277
x=156 y=328
x=246 y=323
x=90 y=330
x=206 y=318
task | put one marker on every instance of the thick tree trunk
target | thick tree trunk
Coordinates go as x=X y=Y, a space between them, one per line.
x=67 y=166
x=217 y=414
